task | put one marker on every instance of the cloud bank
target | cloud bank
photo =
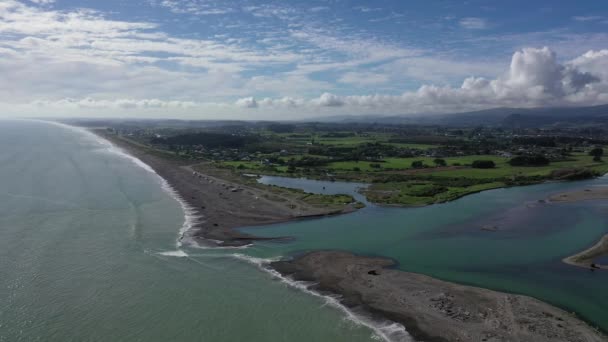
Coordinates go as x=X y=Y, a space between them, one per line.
x=534 y=78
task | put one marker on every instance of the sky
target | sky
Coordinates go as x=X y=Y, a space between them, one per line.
x=283 y=60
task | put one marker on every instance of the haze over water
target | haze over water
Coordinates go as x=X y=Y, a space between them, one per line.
x=88 y=252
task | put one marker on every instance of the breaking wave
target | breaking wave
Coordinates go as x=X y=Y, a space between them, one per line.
x=383 y=329
x=190 y=217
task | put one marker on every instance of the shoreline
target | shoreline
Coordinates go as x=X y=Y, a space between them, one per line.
x=433 y=310
x=220 y=226
x=220 y=206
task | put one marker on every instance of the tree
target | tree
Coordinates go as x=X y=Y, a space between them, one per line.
x=483 y=164
x=418 y=164
x=597 y=154
x=529 y=160
x=439 y=162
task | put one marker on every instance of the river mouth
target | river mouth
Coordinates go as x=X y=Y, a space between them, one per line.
x=509 y=240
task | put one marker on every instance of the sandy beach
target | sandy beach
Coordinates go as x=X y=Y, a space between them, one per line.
x=431 y=309
x=223 y=205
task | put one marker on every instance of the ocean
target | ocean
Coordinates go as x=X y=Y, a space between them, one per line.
x=89 y=251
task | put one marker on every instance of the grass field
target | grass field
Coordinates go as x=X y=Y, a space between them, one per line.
x=406 y=163
x=350 y=141
x=446 y=185
x=395 y=182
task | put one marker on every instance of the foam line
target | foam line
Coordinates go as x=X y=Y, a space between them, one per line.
x=386 y=330
x=190 y=219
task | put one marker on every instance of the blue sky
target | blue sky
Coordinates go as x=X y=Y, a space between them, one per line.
x=295 y=59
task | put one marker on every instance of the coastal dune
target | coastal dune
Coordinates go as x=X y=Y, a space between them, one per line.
x=431 y=309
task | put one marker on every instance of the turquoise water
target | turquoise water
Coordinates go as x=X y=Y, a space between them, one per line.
x=86 y=245
x=446 y=241
x=88 y=252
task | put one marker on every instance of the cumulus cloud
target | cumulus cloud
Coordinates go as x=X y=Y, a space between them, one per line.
x=329 y=100
x=247 y=102
x=85 y=61
x=538 y=72
x=534 y=78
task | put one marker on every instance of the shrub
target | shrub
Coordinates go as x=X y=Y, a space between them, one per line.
x=483 y=164
x=439 y=162
x=531 y=160
x=418 y=164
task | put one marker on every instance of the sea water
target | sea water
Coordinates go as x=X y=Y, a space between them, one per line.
x=89 y=251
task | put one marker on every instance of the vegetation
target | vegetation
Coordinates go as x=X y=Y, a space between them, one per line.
x=529 y=160
x=597 y=154
x=483 y=164
x=406 y=165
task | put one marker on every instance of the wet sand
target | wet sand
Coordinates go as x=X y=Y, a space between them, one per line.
x=222 y=204
x=431 y=309
x=586 y=258
x=594 y=193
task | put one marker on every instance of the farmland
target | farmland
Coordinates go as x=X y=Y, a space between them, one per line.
x=407 y=166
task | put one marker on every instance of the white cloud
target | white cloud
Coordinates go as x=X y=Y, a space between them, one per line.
x=534 y=78
x=587 y=18
x=84 y=62
x=329 y=100
x=472 y=23
x=247 y=102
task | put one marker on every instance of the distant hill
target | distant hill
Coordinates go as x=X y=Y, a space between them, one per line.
x=507 y=117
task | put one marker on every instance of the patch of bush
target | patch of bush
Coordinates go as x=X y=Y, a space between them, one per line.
x=483 y=164
x=529 y=160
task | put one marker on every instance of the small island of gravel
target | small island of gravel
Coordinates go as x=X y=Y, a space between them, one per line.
x=595 y=193
x=431 y=309
x=586 y=258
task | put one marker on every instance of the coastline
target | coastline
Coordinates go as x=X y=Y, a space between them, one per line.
x=220 y=206
x=433 y=310
x=219 y=219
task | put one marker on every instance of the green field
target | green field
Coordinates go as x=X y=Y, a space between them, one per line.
x=406 y=163
x=446 y=185
x=350 y=141
x=396 y=182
